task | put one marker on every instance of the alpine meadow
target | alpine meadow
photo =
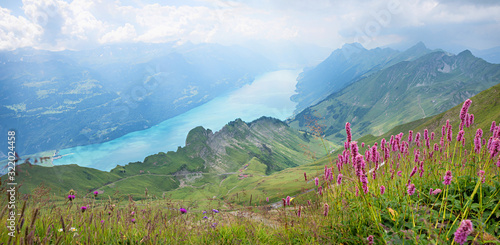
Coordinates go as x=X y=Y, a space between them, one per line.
x=249 y=122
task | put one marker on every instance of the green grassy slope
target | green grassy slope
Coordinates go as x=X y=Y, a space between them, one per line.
x=60 y=179
x=485 y=107
x=209 y=165
x=401 y=94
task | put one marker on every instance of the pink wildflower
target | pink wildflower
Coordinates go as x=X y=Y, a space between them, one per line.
x=325 y=213
x=494 y=147
x=364 y=180
x=493 y=126
x=447 y=178
x=463 y=231
x=417 y=137
x=465 y=108
x=316 y=181
x=460 y=135
x=354 y=148
x=436 y=191
x=411 y=189
x=450 y=134
x=370 y=240
x=348 y=131
x=339 y=179
x=382 y=190
x=413 y=172
x=305 y=176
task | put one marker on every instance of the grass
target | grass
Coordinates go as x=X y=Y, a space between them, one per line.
x=348 y=212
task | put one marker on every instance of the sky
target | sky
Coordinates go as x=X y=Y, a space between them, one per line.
x=84 y=24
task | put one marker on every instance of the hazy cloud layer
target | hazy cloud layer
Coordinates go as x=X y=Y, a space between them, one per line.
x=75 y=24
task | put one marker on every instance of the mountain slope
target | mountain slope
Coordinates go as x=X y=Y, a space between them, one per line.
x=485 y=107
x=207 y=157
x=401 y=93
x=345 y=66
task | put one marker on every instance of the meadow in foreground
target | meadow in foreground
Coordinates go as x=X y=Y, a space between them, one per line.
x=415 y=188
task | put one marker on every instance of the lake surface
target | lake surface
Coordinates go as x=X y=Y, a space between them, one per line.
x=268 y=95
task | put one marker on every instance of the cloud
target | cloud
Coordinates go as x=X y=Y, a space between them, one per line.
x=75 y=24
x=121 y=34
x=16 y=32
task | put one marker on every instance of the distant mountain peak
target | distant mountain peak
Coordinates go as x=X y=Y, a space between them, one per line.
x=466 y=53
x=419 y=45
x=349 y=49
x=353 y=45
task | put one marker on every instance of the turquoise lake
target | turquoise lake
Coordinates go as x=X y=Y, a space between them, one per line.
x=268 y=95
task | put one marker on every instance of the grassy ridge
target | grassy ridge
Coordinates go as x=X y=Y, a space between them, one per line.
x=207 y=167
x=485 y=107
x=400 y=94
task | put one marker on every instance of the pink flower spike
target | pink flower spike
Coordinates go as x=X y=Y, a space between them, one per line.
x=460 y=135
x=463 y=231
x=436 y=191
x=411 y=189
x=465 y=108
x=339 y=179
x=325 y=213
x=447 y=178
x=382 y=190
x=413 y=171
x=348 y=131
x=316 y=181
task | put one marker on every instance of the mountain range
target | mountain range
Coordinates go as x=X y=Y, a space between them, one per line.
x=56 y=100
x=379 y=91
x=207 y=157
x=346 y=65
x=400 y=93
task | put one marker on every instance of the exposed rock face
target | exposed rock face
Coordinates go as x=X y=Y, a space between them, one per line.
x=265 y=138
